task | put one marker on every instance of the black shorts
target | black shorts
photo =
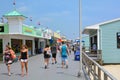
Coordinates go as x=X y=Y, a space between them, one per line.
x=46 y=56
x=8 y=62
x=54 y=55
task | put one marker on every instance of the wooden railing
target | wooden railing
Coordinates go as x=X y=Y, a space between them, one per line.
x=94 y=70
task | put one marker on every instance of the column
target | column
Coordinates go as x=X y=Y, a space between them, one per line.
x=98 y=38
x=33 y=46
x=24 y=42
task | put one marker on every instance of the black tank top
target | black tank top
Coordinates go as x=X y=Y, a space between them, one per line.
x=23 y=55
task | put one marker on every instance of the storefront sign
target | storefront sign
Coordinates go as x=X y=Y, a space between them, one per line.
x=38 y=33
x=1 y=28
x=28 y=30
x=46 y=35
x=56 y=35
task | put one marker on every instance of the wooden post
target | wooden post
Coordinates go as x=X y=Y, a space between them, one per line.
x=99 y=74
x=105 y=77
x=94 y=71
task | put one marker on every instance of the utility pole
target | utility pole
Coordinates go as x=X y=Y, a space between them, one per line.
x=80 y=37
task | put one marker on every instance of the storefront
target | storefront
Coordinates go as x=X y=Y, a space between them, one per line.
x=15 y=34
x=57 y=37
x=105 y=39
x=16 y=45
x=29 y=44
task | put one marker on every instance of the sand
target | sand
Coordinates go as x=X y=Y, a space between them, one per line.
x=114 y=70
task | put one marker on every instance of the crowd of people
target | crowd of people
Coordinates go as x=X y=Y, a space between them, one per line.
x=52 y=52
x=49 y=52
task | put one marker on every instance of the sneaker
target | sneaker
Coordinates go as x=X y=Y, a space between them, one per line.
x=66 y=66
x=9 y=74
x=55 y=62
x=52 y=63
x=45 y=67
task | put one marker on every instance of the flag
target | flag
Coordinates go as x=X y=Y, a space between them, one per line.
x=38 y=23
x=14 y=3
x=30 y=18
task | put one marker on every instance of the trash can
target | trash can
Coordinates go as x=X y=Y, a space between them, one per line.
x=40 y=51
x=77 y=56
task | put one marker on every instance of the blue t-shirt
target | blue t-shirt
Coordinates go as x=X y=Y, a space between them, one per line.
x=64 y=51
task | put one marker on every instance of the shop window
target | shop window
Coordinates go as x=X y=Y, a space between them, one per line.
x=16 y=45
x=118 y=40
x=1 y=28
x=29 y=45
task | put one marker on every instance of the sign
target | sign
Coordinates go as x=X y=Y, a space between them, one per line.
x=1 y=28
x=28 y=31
x=56 y=35
x=38 y=33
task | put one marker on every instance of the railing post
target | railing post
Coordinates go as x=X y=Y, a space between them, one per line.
x=99 y=54
x=94 y=71
x=88 y=67
x=99 y=74
x=105 y=77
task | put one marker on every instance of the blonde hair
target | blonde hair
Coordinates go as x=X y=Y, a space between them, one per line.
x=25 y=46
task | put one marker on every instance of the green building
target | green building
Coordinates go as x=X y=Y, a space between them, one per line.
x=106 y=38
x=15 y=33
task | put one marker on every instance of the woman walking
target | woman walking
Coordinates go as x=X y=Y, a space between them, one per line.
x=7 y=58
x=46 y=55
x=24 y=60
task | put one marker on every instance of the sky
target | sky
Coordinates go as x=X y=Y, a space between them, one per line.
x=63 y=15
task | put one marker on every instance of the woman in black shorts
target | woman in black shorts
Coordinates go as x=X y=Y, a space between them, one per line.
x=24 y=60
x=46 y=55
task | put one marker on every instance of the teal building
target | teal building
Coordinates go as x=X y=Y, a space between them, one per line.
x=106 y=38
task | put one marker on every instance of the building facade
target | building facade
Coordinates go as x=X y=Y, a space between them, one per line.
x=15 y=34
x=106 y=37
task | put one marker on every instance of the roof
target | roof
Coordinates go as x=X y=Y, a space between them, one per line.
x=14 y=13
x=96 y=26
x=89 y=28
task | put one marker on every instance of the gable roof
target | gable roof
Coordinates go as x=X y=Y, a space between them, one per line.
x=96 y=26
x=13 y=14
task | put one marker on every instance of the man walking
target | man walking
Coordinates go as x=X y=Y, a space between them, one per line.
x=64 y=55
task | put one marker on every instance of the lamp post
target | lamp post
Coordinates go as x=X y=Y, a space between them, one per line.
x=80 y=37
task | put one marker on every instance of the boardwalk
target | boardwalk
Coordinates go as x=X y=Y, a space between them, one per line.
x=37 y=71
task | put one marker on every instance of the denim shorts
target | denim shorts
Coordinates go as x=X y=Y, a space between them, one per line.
x=64 y=59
